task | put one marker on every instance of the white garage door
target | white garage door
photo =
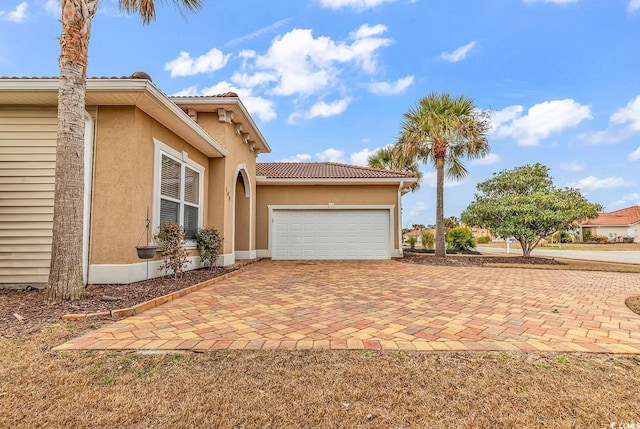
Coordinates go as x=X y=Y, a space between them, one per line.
x=330 y=234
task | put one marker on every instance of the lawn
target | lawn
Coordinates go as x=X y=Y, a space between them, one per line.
x=285 y=389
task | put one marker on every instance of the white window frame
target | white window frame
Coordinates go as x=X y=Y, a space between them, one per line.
x=184 y=160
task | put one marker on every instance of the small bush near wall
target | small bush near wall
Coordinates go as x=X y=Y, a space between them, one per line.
x=460 y=239
x=412 y=240
x=586 y=236
x=483 y=240
x=428 y=239
x=171 y=240
x=210 y=243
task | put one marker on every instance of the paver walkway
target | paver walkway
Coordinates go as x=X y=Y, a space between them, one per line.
x=389 y=305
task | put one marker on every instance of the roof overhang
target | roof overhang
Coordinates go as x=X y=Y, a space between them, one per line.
x=116 y=92
x=405 y=182
x=212 y=104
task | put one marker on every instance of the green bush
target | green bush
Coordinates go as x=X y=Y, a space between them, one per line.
x=586 y=236
x=483 y=240
x=171 y=240
x=210 y=243
x=412 y=240
x=428 y=239
x=460 y=239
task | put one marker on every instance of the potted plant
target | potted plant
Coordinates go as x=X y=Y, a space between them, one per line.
x=148 y=251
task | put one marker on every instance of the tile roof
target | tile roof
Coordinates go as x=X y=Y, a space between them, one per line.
x=324 y=170
x=627 y=216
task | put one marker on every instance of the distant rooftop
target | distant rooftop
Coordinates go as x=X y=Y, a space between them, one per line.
x=627 y=216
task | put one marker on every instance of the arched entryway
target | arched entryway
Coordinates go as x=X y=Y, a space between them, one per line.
x=242 y=215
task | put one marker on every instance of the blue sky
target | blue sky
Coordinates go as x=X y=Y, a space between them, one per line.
x=329 y=80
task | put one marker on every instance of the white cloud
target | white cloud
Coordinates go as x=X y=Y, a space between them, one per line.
x=300 y=157
x=572 y=166
x=302 y=64
x=362 y=157
x=256 y=79
x=417 y=208
x=323 y=109
x=387 y=88
x=635 y=155
x=53 y=7
x=18 y=15
x=541 y=120
x=633 y=5
x=258 y=33
x=210 y=62
x=628 y=114
x=353 y=4
x=593 y=183
x=331 y=155
x=460 y=53
x=491 y=158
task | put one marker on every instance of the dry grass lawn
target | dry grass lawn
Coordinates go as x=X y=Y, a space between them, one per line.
x=283 y=389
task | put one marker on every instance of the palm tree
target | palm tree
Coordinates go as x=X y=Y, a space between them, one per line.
x=444 y=129
x=390 y=158
x=65 y=278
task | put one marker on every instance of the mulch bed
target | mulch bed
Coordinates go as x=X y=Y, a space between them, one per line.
x=22 y=312
x=472 y=260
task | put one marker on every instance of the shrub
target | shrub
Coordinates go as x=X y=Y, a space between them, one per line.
x=600 y=239
x=210 y=243
x=460 y=239
x=586 y=236
x=428 y=239
x=483 y=240
x=171 y=240
x=412 y=240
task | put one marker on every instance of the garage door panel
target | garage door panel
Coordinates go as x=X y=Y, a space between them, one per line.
x=331 y=234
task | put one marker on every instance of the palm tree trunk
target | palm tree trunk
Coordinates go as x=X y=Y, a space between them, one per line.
x=66 y=275
x=440 y=239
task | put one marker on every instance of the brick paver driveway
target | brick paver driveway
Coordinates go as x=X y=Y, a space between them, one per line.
x=389 y=305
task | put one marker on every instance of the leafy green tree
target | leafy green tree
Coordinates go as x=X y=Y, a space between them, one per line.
x=451 y=222
x=460 y=239
x=66 y=274
x=418 y=226
x=443 y=130
x=389 y=158
x=523 y=203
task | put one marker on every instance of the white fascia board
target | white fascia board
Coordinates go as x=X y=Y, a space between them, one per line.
x=225 y=101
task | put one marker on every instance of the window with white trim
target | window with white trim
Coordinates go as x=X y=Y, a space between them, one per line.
x=180 y=186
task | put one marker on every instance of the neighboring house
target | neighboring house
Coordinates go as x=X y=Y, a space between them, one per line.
x=417 y=233
x=617 y=225
x=190 y=160
x=481 y=232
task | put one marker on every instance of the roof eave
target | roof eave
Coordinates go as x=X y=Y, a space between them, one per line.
x=100 y=92
x=405 y=181
x=196 y=102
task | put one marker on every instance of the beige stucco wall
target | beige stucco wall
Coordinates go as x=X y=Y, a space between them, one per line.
x=222 y=184
x=620 y=231
x=123 y=180
x=321 y=195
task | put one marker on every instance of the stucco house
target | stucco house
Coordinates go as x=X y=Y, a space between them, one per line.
x=618 y=225
x=190 y=160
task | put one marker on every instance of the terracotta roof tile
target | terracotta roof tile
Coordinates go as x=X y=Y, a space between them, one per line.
x=627 y=216
x=324 y=170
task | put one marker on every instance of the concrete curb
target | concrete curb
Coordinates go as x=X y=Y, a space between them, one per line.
x=152 y=303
